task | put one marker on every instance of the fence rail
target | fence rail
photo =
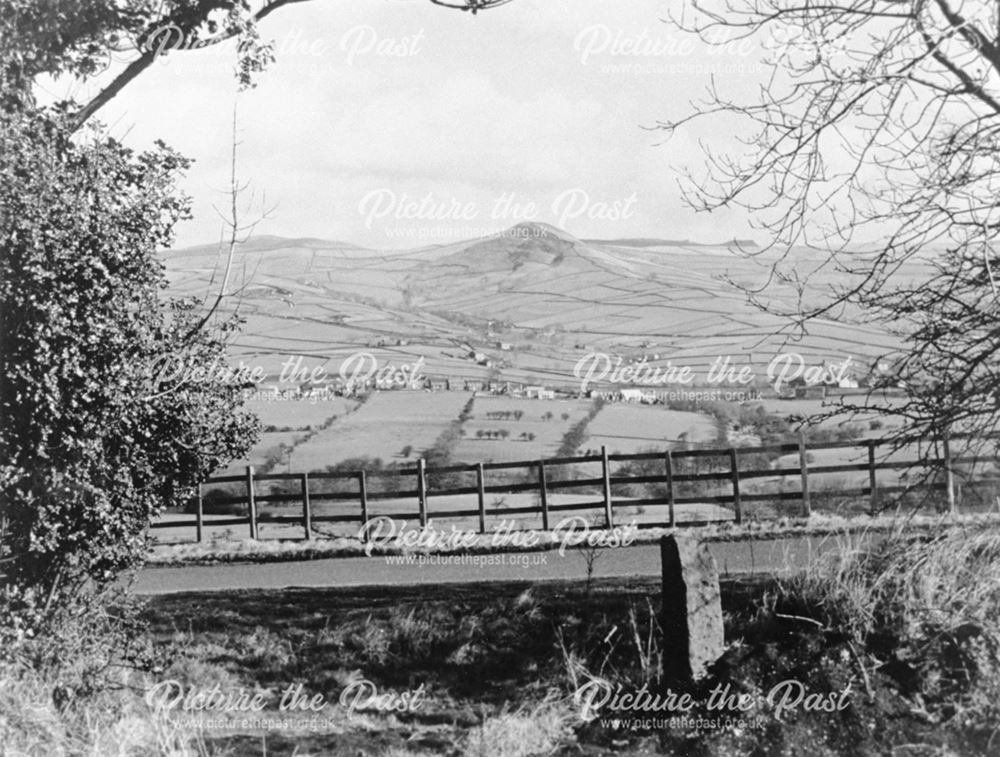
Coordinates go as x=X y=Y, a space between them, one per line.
x=683 y=477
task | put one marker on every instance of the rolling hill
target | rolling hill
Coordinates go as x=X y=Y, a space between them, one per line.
x=532 y=301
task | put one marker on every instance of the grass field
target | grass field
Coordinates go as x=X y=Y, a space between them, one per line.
x=630 y=428
x=548 y=430
x=385 y=424
x=299 y=414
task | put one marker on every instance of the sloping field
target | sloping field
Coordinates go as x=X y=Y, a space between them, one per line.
x=300 y=414
x=549 y=297
x=381 y=427
x=632 y=428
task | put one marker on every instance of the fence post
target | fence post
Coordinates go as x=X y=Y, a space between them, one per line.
x=422 y=490
x=606 y=471
x=804 y=470
x=363 y=495
x=949 y=476
x=306 y=506
x=481 y=486
x=872 y=481
x=734 y=465
x=199 y=515
x=668 y=461
x=544 y=495
x=251 y=502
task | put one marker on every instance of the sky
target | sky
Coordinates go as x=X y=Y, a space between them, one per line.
x=398 y=123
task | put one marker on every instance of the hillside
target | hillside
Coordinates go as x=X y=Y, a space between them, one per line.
x=547 y=297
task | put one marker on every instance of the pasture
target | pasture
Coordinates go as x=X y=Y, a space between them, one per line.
x=534 y=428
x=385 y=424
x=631 y=428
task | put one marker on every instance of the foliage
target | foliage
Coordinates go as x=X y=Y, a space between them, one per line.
x=97 y=430
x=577 y=433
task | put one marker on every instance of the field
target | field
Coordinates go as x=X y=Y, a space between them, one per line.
x=385 y=424
x=871 y=423
x=632 y=428
x=300 y=414
x=536 y=432
x=286 y=423
x=532 y=305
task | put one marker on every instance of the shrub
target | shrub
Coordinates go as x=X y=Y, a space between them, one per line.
x=99 y=426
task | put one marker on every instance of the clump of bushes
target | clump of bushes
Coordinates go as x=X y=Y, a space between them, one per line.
x=577 y=433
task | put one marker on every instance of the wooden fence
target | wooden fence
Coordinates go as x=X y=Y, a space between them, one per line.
x=668 y=471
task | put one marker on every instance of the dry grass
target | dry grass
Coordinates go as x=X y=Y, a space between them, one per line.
x=926 y=608
x=522 y=732
x=109 y=724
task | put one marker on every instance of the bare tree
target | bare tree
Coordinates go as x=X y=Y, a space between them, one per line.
x=871 y=157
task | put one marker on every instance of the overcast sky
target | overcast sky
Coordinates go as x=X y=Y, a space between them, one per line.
x=377 y=109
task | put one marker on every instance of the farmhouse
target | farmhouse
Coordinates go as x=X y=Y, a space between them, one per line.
x=438 y=384
x=474 y=385
x=539 y=393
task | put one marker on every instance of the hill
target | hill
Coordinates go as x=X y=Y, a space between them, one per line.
x=532 y=301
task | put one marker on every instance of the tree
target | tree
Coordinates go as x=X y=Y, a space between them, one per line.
x=102 y=421
x=84 y=37
x=879 y=123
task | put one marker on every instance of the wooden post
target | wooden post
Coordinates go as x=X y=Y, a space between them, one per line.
x=422 y=490
x=544 y=495
x=872 y=481
x=251 y=502
x=363 y=494
x=199 y=515
x=949 y=475
x=804 y=472
x=734 y=466
x=306 y=506
x=668 y=461
x=606 y=471
x=481 y=486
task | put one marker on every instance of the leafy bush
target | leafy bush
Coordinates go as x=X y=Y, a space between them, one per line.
x=100 y=424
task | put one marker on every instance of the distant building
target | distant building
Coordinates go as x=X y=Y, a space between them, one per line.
x=438 y=384
x=473 y=385
x=539 y=393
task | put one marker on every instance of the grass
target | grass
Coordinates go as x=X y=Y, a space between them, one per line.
x=908 y=622
x=927 y=607
x=112 y=722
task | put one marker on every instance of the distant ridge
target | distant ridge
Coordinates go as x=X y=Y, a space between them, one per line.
x=645 y=242
x=539 y=229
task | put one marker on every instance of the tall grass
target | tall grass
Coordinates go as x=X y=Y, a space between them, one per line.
x=925 y=608
x=111 y=723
